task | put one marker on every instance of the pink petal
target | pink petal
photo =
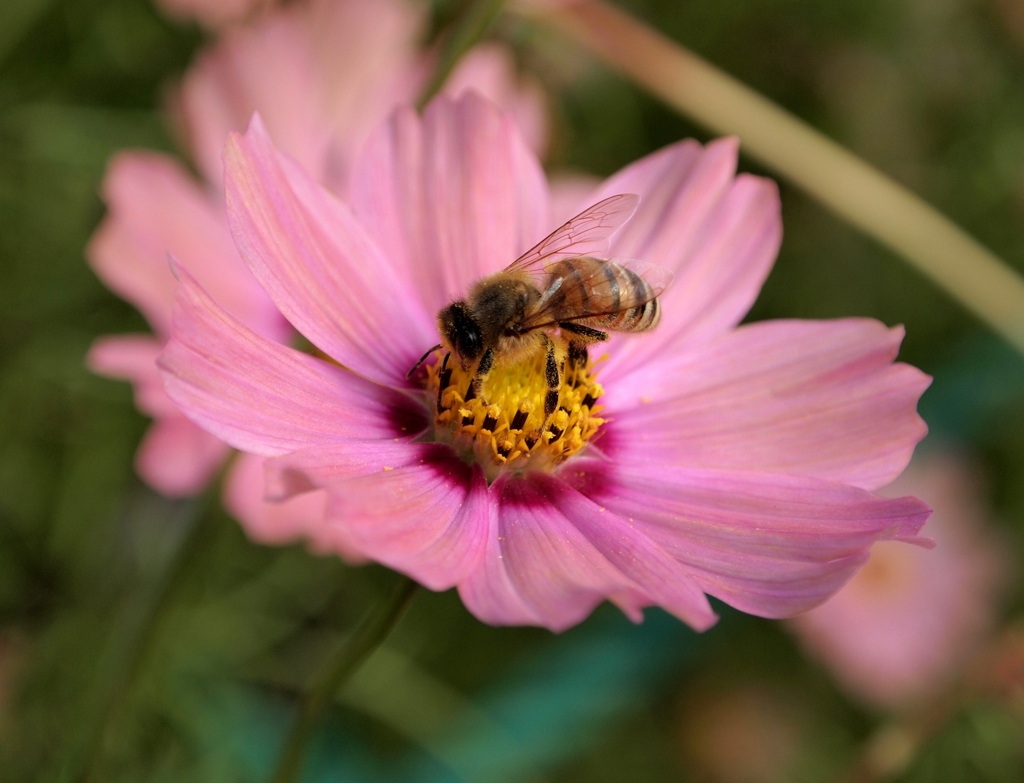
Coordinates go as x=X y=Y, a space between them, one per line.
x=153 y=209
x=679 y=187
x=731 y=259
x=905 y=624
x=265 y=521
x=132 y=357
x=717 y=233
x=571 y=193
x=539 y=568
x=281 y=521
x=814 y=398
x=369 y=51
x=415 y=507
x=554 y=555
x=333 y=464
x=490 y=69
x=156 y=209
x=318 y=265
x=492 y=596
x=269 y=66
x=450 y=198
x=770 y=545
x=263 y=397
x=177 y=458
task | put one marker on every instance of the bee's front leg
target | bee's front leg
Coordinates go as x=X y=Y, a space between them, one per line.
x=483 y=369
x=444 y=378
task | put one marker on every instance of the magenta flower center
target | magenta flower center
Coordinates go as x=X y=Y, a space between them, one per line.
x=504 y=428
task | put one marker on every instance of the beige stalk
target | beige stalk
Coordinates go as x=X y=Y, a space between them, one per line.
x=853 y=189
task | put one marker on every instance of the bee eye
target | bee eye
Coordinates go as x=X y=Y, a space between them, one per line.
x=461 y=330
x=469 y=342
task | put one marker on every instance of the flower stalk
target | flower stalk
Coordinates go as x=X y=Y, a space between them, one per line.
x=365 y=639
x=853 y=189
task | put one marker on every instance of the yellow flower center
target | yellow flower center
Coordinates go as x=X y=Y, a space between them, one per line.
x=504 y=428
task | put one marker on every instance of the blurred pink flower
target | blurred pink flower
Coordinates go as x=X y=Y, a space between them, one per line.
x=905 y=623
x=156 y=208
x=322 y=73
x=733 y=461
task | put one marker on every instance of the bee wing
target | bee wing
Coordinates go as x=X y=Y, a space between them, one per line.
x=589 y=293
x=585 y=235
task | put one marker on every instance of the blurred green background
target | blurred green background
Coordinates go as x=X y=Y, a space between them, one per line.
x=932 y=91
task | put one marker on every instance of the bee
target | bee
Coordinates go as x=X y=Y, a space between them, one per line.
x=559 y=297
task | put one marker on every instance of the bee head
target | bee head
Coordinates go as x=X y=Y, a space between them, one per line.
x=460 y=333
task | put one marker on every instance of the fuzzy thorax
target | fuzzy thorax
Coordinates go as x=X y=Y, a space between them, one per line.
x=503 y=429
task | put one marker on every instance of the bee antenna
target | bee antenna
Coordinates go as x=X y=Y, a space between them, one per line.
x=423 y=358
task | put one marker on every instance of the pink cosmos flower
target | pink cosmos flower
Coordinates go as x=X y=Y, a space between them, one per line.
x=711 y=459
x=321 y=73
x=906 y=622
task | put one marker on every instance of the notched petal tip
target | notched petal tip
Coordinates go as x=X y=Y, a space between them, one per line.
x=764 y=194
x=925 y=542
x=914 y=513
x=175 y=266
x=727 y=144
x=238 y=144
x=255 y=129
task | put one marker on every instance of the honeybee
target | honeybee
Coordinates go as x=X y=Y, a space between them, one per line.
x=556 y=298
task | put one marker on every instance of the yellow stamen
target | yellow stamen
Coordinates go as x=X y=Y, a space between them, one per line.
x=504 y=428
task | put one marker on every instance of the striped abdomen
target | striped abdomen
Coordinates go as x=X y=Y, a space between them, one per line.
x=602 y=294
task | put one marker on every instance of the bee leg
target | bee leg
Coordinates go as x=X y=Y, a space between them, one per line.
x=483 y=369
x=553 y=378
x=444 y=378
x=423 y=358
x=577 y=354
x=582 y=337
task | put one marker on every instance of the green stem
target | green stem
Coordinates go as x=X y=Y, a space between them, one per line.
x=474 y=25
x=366 y=638
x=139 y=641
